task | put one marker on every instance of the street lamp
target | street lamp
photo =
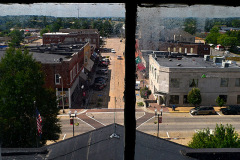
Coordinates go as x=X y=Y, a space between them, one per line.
x=62 y=92
x=72 y=116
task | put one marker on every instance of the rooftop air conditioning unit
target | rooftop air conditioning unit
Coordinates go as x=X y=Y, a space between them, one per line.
x=206 y=57
x=217 y=59
x=225 y=64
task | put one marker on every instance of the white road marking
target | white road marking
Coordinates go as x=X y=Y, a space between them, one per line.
x=141 y=116
x=86 y=123
x=64 y=136
x=85 y=110
x=190 y=114
x=96 y=120
x=219 y=114
x=168 y=135
x=146 y=121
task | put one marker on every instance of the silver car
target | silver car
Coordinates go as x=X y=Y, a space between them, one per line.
x=203 y=110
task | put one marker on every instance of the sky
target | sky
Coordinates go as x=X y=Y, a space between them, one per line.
x=191 y=11
x=65 y=9
x=115 y=10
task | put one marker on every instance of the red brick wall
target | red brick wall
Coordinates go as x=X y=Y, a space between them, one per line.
x=62 y=68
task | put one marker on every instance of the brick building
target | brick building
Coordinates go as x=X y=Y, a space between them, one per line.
x=70 y=62
x=185 y=48
x=73 y=36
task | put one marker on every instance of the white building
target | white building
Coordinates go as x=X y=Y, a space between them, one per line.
x=172 y=78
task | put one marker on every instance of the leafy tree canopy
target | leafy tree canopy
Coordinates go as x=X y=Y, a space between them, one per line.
x=213 y=36
x=16 y=38
x=21 y=83
x=190 y=25
x=194 y=96
x=222 y=137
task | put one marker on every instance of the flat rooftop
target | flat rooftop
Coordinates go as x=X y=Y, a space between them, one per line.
x=192 y=62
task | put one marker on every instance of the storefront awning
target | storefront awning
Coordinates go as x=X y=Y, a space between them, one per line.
x=89 y=65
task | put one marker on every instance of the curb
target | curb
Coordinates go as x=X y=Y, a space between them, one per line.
x=178 y=111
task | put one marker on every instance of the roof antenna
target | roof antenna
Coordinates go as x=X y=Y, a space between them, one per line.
x=114 y=135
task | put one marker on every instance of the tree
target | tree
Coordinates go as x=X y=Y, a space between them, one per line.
x=223 y=137
x=21 y=83
x=194 y=96
x=220 y=101
x=190 y=25
x=213 y=36
x=16 y=38
x=236 y=23
x=44 y=30
x=226 y=40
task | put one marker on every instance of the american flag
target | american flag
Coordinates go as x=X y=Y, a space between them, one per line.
x=39 y=122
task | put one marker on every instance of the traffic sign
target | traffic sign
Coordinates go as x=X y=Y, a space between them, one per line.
x=160 y=120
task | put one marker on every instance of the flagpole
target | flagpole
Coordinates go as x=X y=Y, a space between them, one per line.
x=34 y=102
x=36 y=123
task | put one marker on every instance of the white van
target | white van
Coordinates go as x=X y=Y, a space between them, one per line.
x=137 y=86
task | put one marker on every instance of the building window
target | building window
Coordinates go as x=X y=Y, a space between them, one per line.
x=191 y=50
x=205 y=49
x=174 y=99
x=185 y=101
x=169 y=49
x=193 y=83
x=224 y=97
x=180 y=50
x=94 y=40
x=71 y=77
x=57 y=79
x=237 y=82
x=224 y=82
x=238 y=99
x=174 y=49
x=174 y=83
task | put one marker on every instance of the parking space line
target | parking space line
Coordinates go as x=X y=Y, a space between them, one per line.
x=190 y=114
x=64 y=136
x=219 y=114
x=168 y=135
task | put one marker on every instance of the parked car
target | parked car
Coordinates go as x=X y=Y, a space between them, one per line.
x=105 y=60
x=103 y=64
x=231 y=110
x=100 y=81
x=203 y=110
x=102 y=71
x=98 y=87
x=102 y=77
x=113 y=51
x=119 y=57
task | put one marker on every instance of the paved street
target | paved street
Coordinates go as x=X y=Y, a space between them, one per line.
x=178 y=127
x=117 y=68
x=112 y=94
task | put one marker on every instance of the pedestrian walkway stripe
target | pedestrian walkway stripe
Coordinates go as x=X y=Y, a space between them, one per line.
x=145 y=122
x=96 y=120
x=86 y=123
x=141 y=116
